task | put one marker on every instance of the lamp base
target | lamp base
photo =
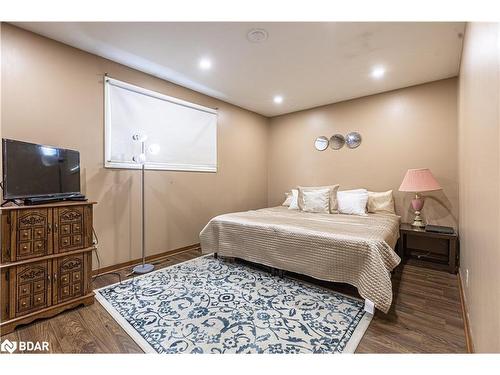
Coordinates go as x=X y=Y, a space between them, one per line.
x=143 y=268
x=417 y=221
x=417 y=203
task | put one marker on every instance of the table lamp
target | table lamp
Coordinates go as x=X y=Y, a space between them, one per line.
x=417 y=181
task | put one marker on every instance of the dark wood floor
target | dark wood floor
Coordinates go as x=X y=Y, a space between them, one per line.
x=425 y=318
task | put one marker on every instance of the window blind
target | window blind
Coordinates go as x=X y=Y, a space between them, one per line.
x=184 y=134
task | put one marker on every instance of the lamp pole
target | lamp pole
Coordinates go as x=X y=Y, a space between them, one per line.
x=143 y=150
x=144 y=267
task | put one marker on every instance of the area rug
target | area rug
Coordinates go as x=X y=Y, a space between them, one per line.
x=207 y=305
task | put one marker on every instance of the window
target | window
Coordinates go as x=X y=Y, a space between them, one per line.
x=182 y=134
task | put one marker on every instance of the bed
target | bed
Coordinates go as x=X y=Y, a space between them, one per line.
x=357 y=250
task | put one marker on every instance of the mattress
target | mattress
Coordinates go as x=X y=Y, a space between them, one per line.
x=357 y=250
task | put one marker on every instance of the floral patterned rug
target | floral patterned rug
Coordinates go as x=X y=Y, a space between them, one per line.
x=207 y=305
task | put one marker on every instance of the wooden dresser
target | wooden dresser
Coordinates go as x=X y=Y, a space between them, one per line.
x=46 y=261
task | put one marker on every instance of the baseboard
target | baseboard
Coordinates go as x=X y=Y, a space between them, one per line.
x=465 y=315
x=150 y=258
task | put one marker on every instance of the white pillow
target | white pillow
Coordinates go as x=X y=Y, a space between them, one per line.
x=288 y=199
x=355 y=191
x=294 y=204
x=316 y=201
x=352 y=202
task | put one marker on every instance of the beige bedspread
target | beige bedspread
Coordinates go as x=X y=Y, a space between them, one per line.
x=357 y=250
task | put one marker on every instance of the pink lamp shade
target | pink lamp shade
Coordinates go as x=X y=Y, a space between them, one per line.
x=418 y=180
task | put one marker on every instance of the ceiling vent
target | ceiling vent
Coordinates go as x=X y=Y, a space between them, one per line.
x=257 y=35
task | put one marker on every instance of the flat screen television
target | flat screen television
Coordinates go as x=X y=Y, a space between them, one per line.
x=31 y=170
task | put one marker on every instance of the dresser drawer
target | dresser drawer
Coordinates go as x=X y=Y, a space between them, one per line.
x=24 y=250
x=24 y=290
x=25 y=234
x=23 y=305
x=39 y=299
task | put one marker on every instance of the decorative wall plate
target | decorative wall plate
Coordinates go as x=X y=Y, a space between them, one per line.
x=337 y=141
x=321 y=143
x=353 y=139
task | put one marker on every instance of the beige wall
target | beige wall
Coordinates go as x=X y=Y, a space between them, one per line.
x=53 y=94
x=408 y=128
x=479 y=171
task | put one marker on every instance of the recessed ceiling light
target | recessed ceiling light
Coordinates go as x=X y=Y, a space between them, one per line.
x=378 y=72
x=257 y=35
x=205 y=64
x=278 y=99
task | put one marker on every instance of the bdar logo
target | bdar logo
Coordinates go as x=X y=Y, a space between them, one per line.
x=8 y=346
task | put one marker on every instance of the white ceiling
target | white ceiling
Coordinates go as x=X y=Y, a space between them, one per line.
x=309 y=64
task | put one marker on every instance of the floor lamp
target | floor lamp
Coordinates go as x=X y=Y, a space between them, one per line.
x=141 y=159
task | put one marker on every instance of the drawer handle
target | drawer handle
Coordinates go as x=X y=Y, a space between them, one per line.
x=23 y=304
x=39 y=245
x=38 y=299
x=25 y=247
x=38 y=286
x=25 y=234
x=38 y=232
x=25 y=290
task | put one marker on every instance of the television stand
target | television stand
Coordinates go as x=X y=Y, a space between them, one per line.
x=49 y=270
x=45 y=200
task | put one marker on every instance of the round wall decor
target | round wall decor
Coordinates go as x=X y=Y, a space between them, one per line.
x=353 y=139
x=321 y=143
x=337 y=141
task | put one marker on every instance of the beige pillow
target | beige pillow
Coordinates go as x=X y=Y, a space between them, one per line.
x=316 y=201
x=333 y=196
x=381 y=202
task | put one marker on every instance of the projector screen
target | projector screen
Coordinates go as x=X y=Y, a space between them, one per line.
x=181 y=136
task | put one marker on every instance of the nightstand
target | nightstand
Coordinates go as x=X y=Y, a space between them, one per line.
x=430 y=249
